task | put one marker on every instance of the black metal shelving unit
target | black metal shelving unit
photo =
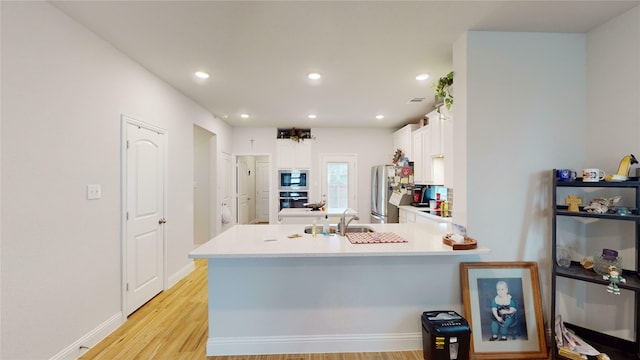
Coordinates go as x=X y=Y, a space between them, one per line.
x=616 y=348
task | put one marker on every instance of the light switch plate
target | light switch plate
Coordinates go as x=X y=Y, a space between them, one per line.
x=94 y=191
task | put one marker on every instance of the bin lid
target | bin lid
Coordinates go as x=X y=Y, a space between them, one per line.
x=441 y=315
x=447 y=321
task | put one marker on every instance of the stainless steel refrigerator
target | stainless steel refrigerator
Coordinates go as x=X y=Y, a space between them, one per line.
x=381 y=189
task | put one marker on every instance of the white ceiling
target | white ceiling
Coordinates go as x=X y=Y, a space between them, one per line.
x=259 y=52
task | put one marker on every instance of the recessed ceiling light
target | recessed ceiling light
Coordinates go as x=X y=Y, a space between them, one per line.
x=314 y=76
x=422 y=77
x=244 y=116
x=201 y=75
x=312 y=116
x=379 y=117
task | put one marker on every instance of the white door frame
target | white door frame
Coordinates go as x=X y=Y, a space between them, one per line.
x=273 y=214
x=352 y=159
x=260 y=180
x=124 y=121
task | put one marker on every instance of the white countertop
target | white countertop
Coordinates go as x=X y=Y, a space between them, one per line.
x=269 y=241
x=307 y=212
x=421 y=212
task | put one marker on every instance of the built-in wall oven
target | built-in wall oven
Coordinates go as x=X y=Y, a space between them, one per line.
x=293 y=188
x=293 y=199
x=293 y=179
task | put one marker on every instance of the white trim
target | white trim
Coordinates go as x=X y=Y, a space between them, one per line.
x=352 y=160
x=181 y=274
x=73 y=351
x=313 y=344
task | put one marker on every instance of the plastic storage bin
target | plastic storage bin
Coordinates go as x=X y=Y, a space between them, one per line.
x=445 y=336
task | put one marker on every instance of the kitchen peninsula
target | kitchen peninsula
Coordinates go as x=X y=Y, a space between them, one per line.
x=269 y=293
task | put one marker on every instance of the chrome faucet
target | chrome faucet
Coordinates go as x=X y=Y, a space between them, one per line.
x=344 y=224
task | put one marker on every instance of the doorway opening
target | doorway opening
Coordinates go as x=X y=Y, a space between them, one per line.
x=253 y=195
x=205 y=225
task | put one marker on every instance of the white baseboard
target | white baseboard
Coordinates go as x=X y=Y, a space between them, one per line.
x=80 y=346
x=314 y=344
x=180 y=274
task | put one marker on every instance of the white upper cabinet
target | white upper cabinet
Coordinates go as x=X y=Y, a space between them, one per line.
x=293 y=155
x=435 y=122
x=442 y=146
x=402 y=140
x=422 y=164
x=416 y=149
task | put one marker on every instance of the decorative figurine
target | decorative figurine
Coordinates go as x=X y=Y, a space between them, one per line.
x=601 y=205
x=614 y=279
x=573 y=201
x=623 y=169
x=397 y=156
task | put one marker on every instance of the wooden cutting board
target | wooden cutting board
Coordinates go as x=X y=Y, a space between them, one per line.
x=468 y=243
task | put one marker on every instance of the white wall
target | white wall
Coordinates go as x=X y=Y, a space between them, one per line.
x=613 y=119
x=371 y=145
x=258 y=141
x=63 y=91
x=524 y=115
x=531 y=103
x=202 y=189
x=613 y=90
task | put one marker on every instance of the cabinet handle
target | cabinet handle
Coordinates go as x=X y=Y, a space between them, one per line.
x=162 y=221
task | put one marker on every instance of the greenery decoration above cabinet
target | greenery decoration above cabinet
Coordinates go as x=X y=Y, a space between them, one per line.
x=444 y=91
x=294 y=134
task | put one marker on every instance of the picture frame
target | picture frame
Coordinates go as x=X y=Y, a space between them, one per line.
x=516 y=329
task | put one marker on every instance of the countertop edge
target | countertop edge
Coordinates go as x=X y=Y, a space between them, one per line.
x=478 y=251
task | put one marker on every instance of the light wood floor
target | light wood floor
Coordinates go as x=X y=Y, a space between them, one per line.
x=173 y=326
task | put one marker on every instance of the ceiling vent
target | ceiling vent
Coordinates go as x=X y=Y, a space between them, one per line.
x=415 y=100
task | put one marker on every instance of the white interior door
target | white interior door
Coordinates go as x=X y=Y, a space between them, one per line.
x=243 y=195
x=144 y=240
x=262 y=191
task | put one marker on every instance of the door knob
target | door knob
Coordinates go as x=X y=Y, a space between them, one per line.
x=162 y=221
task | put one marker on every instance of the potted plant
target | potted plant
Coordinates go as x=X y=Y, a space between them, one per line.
x=443 y=91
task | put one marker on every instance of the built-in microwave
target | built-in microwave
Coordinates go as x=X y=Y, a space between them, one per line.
x=293 y=179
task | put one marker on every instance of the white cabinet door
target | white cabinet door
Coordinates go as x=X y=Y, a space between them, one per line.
x=427 y=172
x=402 y=216
x=293 y=155
x=422 y=164
x=436 y=136
x=420 y=219
x=285 y=158
x=441 y=147
x=402 y=140
x=418 y=161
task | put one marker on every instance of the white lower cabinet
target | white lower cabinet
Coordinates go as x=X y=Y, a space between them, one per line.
x=406 y=217
x=423 y=220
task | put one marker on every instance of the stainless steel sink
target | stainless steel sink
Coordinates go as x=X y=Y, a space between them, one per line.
x=334 y=229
